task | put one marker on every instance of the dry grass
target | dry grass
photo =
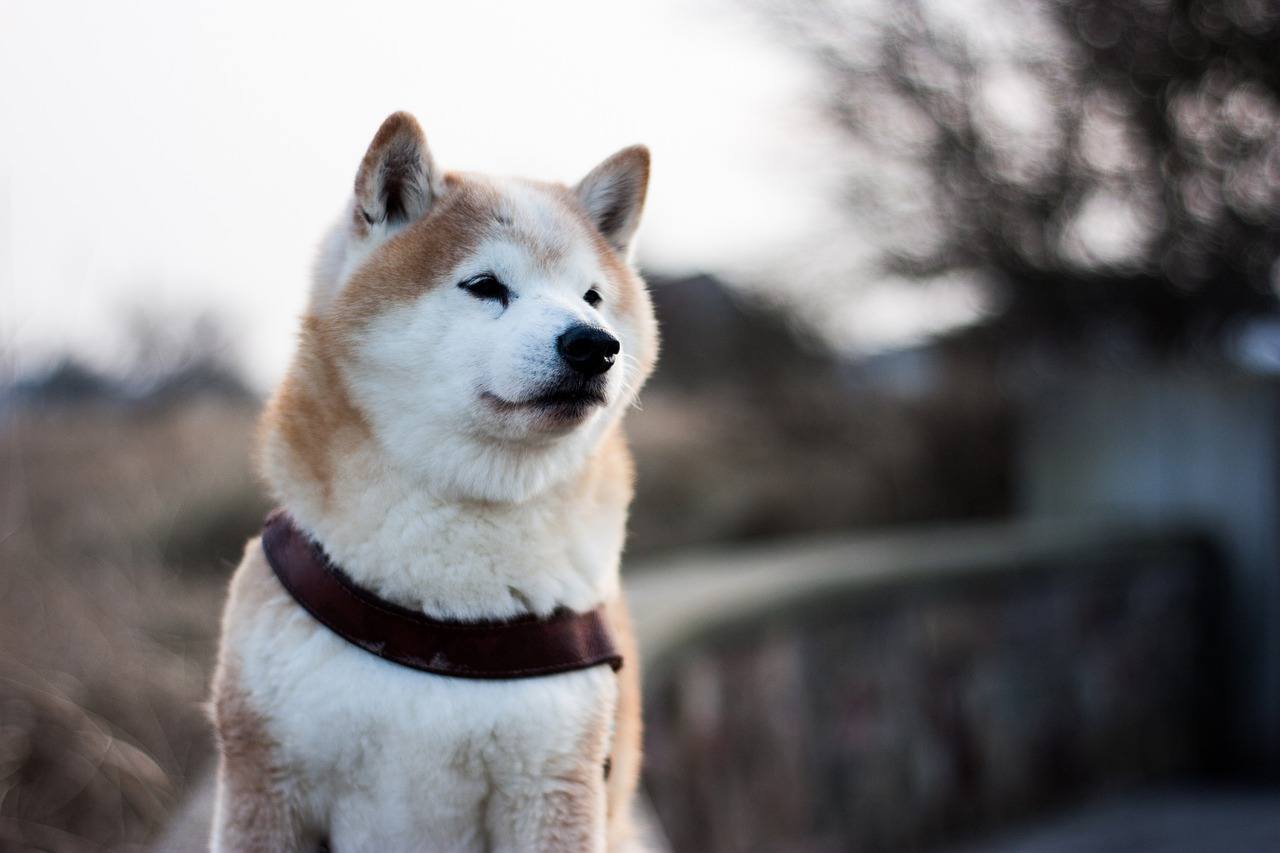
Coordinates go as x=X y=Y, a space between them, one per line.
x=119 y=527
x=117 y=532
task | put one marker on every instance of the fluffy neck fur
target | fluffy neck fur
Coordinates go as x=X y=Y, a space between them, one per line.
x=451 y=557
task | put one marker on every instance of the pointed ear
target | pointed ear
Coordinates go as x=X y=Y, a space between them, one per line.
x=613 y=195
x=397 y=182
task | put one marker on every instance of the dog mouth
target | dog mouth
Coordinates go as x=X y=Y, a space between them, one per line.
x=562 y=404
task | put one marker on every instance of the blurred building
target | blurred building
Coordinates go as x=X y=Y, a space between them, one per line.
x=1192 y=446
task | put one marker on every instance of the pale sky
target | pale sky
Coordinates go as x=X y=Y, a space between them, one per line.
x=177 y=158
x=186 y=157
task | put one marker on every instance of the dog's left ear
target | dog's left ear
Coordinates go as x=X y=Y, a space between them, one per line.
x=613 y=195
x=397 y=181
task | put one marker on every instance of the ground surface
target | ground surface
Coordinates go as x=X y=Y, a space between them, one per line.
x=1186 y=821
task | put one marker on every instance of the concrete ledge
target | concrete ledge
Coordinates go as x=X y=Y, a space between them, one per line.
x=675 y=600
x=900 y=691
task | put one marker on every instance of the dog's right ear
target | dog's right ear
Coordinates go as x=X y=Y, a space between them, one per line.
x=397 y=182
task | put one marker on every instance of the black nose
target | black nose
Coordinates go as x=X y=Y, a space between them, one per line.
x=588 y=350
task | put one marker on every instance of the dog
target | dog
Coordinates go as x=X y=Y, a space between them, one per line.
x=448 y=433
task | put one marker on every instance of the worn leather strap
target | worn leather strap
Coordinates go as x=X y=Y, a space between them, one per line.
x=519 y=648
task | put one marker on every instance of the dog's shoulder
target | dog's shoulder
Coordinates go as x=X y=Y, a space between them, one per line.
x=248 y=600
x=254 y=792
x=261 y=626
x=257 y=605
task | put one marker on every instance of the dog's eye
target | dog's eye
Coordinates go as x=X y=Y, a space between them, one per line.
x=592 y=297
x=486 y=286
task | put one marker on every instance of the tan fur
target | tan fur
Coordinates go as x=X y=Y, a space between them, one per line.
x=625 y=751
x=419 y=256
x=575 y=802
x=612 y=472
x=312 y=409
x=249 y=766
x=260 y=818
x=630 y=288
x=571 y=804
x=397 y=154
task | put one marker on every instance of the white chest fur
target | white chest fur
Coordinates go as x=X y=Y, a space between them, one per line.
x=456 y=560
x=381 y=757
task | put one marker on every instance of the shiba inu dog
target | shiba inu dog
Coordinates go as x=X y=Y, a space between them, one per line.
x=449 y=434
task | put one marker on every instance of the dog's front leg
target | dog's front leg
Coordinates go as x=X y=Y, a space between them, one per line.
x=249 y=816
x=252 y=813
x=253 y=810
x=564 y=811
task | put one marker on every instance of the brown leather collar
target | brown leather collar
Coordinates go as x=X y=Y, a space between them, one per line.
x=519 y=648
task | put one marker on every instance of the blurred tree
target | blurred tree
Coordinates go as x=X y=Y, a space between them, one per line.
x=1101 y=167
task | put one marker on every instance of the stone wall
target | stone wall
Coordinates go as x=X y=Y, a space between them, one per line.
x=905 y=709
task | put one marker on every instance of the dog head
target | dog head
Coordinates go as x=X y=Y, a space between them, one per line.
x=487 y=331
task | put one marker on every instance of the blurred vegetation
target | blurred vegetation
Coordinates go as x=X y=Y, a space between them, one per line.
x=127 y=501
x=1105 y=170
x=119 y=526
